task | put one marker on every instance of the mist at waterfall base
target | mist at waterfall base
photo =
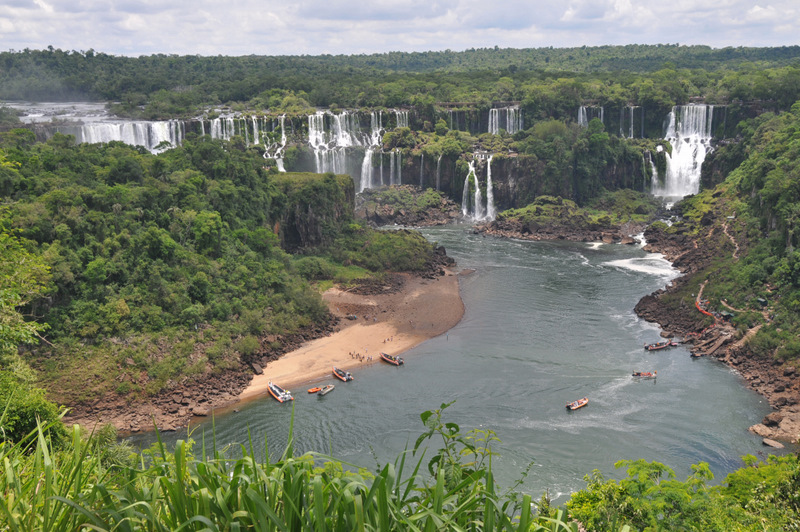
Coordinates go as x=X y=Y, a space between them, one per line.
x=545 y=323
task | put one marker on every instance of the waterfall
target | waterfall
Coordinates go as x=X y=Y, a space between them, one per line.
x=330 y=146
x=494 y=121
x=278 y=154
x=255 y=130
x=374 y=143
x=421 y=167
x=587 y=114
x=465 y=194
x=510 y=120
x=439 y=172
x=582 y=120
x=402 y=118
x=395 y=167
x=490 y=210
x=654 y=183
x=478 y=214
x=202 y=128
x=689 y=133
x=477 y=211
x=513 y=120
x=366 y=170
x=150 y=135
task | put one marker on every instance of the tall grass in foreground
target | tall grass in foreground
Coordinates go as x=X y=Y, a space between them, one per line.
x=46 y=489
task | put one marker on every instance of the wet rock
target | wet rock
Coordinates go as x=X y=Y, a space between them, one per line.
x=773 y=419
x=772 y=443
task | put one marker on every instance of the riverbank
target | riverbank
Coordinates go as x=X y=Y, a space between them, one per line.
x=775 y=381
x=389 y=322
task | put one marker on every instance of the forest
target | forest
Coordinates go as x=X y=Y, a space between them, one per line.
x=147 y=268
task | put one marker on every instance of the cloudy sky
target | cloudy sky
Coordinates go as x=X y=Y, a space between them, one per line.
x=292 y=27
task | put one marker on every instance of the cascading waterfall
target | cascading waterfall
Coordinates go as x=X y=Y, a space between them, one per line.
x=587 y=114
x=465 y=194
x=330 y=148
x=478 y=215
x=150 y=135
x=402 y=118
x=374 y=143
x=477 y=211
x=508 y=118
x=439 y=172
x=490 y=211
x=278 y=153
x=395 y=167
x=689 y=133
x=494 y=121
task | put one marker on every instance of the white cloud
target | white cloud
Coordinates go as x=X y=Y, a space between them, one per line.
x=209 y=27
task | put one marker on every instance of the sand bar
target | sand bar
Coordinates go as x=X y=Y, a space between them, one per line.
x=391 y=323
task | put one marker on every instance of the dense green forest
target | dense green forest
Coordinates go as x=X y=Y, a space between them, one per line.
x=183 y=255
x=547 y=82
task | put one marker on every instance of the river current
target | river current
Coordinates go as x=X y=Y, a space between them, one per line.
x=546 y=323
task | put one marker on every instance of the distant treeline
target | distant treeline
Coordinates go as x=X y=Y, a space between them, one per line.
x=162 y=86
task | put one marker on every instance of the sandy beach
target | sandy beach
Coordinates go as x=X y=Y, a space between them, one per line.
x=389 y=323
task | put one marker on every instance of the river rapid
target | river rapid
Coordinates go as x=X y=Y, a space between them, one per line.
x=546 y=323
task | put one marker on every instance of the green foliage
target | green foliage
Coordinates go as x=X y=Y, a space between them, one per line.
x=24 y=407
x=94 y=484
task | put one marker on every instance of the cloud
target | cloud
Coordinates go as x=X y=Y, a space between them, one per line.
x=209 y=27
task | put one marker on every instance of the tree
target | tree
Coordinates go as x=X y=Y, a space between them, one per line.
x=23 y=277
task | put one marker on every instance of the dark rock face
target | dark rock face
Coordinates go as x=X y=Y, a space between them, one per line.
x=370 y=208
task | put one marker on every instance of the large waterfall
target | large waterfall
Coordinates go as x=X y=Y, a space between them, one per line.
x=478 y=213
x=689 y=133
x=508 y=118
x=401 y=118
x=490 y=210
x=154 y=136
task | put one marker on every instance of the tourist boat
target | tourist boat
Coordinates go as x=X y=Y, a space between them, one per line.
x=279 y=393
x=580 y=403
x=660 y=345
x=325 y=389
x=396 y=360
x=342 y=374
x=315 y=389
x=645 y=374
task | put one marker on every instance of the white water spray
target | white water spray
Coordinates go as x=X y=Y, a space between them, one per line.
x=689 y=133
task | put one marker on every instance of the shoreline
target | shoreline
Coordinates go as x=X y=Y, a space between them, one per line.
x=392 y=323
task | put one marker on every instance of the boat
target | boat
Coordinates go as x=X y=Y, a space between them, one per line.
x=396 y=360
x=279 y=393
x=661 y=345
x=315 y=389
x=342 y=374
x=580 y=403
x=325 y=389
x=645 y=374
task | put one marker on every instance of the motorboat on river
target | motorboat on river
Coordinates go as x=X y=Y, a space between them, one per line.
x=325 y=389
x=645 y=374
x=580 y=403
x=661 y=345
x=342 y=374
x=279 y=393
x=396 y=360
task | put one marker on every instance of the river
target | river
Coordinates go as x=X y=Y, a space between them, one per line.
x=546 y=323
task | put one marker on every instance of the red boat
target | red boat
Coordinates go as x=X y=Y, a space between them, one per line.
x=342 y=374
x=660 y=345
x=396 y=360
x=645 y=374
x=279 y=393
x=580 y=403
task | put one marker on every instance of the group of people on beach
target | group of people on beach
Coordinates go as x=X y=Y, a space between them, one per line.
x=360 y=357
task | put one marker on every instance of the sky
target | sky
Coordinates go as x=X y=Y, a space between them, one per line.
x=296 y=27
